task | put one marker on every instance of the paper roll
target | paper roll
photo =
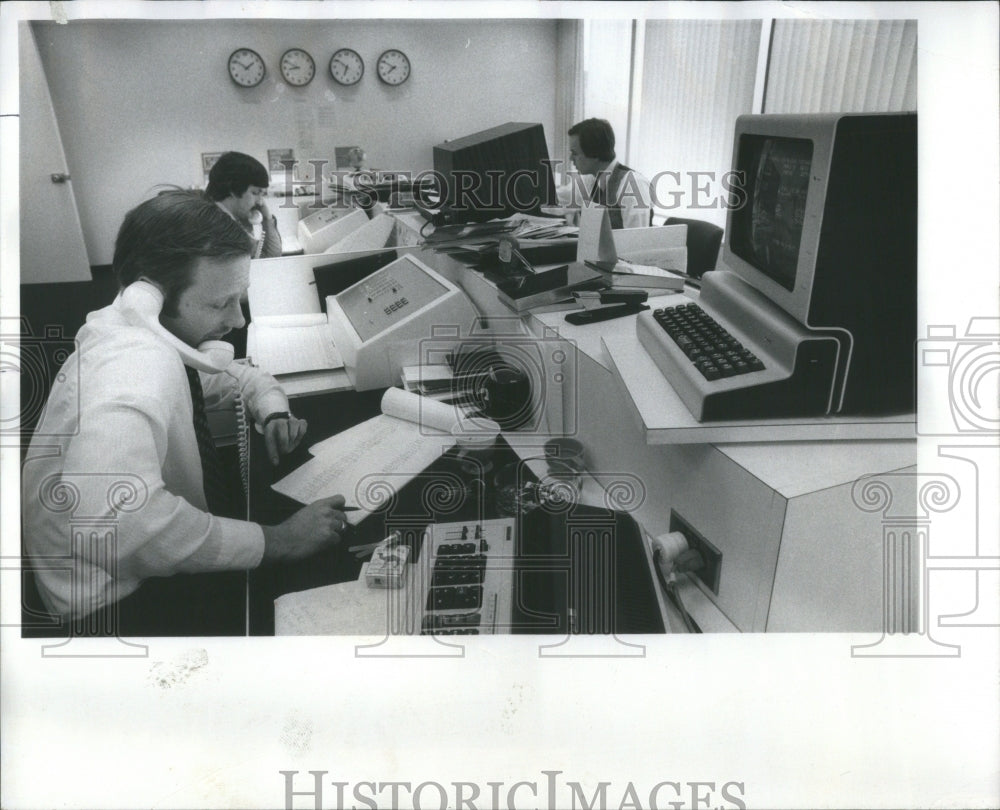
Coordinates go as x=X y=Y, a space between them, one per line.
x=434 y=415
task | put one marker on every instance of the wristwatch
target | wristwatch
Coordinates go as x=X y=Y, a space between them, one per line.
x=276 y=415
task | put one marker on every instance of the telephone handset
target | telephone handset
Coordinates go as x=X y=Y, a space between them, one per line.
x=257 y=228
x=142 y=302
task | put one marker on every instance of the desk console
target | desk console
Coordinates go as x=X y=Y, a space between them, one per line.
x=466 y=573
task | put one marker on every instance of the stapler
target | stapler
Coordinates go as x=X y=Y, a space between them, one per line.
x=619 y=303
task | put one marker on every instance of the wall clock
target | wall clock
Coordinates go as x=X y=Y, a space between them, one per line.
x=393 y=66
x=246 y=68
x=297 y=67
x=347 y=67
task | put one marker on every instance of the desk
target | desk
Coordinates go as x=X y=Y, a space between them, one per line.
x=559 y=550
x=798 y=553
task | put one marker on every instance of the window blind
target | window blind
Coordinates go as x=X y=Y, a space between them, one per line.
x=842 y=66
x=607 y=61
x=697 y=76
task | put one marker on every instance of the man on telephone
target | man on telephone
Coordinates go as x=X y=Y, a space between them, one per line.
x=126 y=512
x=237 y=183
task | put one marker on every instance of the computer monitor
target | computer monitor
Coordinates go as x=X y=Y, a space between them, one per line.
x=494 y=173
x=825 y=226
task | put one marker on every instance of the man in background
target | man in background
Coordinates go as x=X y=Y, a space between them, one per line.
x=624 y=191
x=238 y=183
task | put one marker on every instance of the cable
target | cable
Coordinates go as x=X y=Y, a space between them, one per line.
x=672 y=556
x=670 y=589
x=242 y=437
x=243 y=442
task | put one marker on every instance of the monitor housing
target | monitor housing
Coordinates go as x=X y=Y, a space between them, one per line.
x=824 y=225
x=494 y=173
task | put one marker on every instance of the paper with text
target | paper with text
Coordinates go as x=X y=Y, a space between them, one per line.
x=365 y=464
x=289 y=349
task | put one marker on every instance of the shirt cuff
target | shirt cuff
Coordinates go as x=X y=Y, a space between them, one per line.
x=241 y=544
x=270 y=402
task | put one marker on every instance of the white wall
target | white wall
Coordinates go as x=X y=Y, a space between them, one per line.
x=139 y=101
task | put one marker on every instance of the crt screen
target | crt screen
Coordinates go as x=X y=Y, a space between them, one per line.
x=767 y=230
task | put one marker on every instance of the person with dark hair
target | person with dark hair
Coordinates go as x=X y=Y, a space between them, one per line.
x=624 y=191
x=237 y=183
x=123 y=443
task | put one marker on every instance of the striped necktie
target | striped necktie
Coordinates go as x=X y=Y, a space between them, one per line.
x=218 y=493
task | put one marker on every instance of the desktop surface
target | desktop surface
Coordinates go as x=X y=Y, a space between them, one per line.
x=576 y=568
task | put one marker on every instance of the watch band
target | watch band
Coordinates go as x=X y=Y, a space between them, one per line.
x=276 y=415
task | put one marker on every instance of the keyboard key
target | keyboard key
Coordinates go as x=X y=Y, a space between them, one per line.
x=706 y=343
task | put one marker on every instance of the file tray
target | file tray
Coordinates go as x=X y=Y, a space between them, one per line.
x=664 y=419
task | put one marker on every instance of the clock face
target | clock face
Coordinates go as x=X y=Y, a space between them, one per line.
x=393 y=67
x=246 y=68
x=297 y=67
x=347 y=67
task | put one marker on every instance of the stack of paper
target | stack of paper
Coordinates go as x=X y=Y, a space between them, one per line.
x=289 y=344
x=289 y=336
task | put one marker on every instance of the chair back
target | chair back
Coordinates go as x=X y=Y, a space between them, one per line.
x=703 y=242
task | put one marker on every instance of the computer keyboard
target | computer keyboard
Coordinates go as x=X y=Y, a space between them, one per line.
x=709 y=346
x=730 y=358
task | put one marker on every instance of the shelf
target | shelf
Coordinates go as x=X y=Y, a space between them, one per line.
x=664 y=418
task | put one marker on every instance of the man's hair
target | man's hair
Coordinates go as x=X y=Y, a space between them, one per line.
x=234 y=173
x=597 y=138
x=163 y=237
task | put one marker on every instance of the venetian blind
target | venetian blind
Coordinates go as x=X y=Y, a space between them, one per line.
x=697 y=76
x=607 y=72
x=842 y=66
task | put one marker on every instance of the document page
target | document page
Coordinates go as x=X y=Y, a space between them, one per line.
x=290 y=349
x=372 y=460
x=365 y=464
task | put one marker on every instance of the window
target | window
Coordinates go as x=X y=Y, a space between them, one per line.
x=672 y=88
x=697 y=76
x=842 y=66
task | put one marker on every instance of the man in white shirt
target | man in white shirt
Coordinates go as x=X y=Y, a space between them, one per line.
x=624 y=191
x=121 y=492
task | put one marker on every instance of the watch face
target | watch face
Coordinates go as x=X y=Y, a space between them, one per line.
x=246 y=68
x=393 y=67
x=346 y=66
x=297 y=67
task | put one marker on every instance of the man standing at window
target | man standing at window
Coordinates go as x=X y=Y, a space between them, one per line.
x=625 y=192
